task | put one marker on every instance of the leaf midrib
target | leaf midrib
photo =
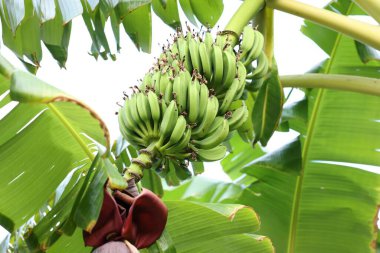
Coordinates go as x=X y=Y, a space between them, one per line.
x=71 y=129
x=299 y=183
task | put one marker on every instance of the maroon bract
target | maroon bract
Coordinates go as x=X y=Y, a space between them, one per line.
x=146 y=220
x=139 y=220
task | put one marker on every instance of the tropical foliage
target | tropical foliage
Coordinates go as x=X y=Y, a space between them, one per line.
x=318 y=193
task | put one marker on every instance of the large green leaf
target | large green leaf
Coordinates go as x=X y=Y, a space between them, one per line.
x=267 y=109
x=169 y=13
x=207 y=12
x=43 y=138
x=26 y=23
x=138 y=25
x=73 y=243
x=207 y=227
x=331 y=205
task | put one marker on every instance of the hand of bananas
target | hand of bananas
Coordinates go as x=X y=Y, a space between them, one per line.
x=189 y=101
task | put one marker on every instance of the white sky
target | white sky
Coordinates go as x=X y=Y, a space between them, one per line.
x=100 y=83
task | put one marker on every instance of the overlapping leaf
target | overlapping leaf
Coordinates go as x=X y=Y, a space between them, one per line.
x=41 y=142
x=26 y=23
x=331 y=206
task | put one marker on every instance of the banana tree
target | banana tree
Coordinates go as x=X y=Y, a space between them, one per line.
x=203 y=96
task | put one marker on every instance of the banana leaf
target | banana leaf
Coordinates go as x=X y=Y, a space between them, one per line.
x=26 y=23
x=330 y=206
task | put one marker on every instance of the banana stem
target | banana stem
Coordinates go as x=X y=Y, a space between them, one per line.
x=264 y=21
x=247 y=10
x=143 y=161
x=361 y=31
x=359 y=84
x=372 y=7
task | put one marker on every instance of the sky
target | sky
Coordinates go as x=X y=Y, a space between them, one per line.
x=100 y=84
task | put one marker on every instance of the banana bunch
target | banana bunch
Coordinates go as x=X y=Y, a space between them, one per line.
x=215 y=60
x=189 y=102
x=251 y=52
x=187 y=122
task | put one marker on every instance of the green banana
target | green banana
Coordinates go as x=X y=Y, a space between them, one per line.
x=168 y=95
x=126 y=121
x=213 y=154
x=247 y=41
x=194 y=55
x=146 y=82
x=229 y=97
x=256 y=48
x=204 y=55
x=229 y=69
x=238 y=118
x=209 y=41
x=135 y=115
x=221 y=40
x=168 y=122
x=180 y=90
x=181 y=145
x=261 y=69
x=193 y=100
x=177 y=133
x=143 y=110
x=203 y=98
x=241 y=74
x=154 y=109
x=208 y=118
x=214 y=138
x=184 y=53
x=217 y=66
x=218 y=121
x=164 y=81
x=156 y=81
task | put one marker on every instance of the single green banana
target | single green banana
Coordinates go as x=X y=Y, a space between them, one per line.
x=221 y=40
x=217 y=66
x=164 y=106
x=164 y=80
x=262 y=67
x=184 y=53
x=210 y=155
x=209 y=41
x=193 y=100
x=143 y=109
x=229 y=97
x=146 y=82
x=218 y=121
x=156 y=81
x=241 y=74
x=256 y=49
x=181 y=145
x=132 y=108
x=208 y=118
x=168 y=95
x=132 y=138
x=238 y=118
x=203 y=99
x=178 y=132
x=126 y=122
x=205 y=60
x=247 y=41
x=229 y=69
x=194 y=55
x=168 y=122
x=155 y=110
x=215 y=138
x=173 y=53
x=176 y=66
x=180 y=90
